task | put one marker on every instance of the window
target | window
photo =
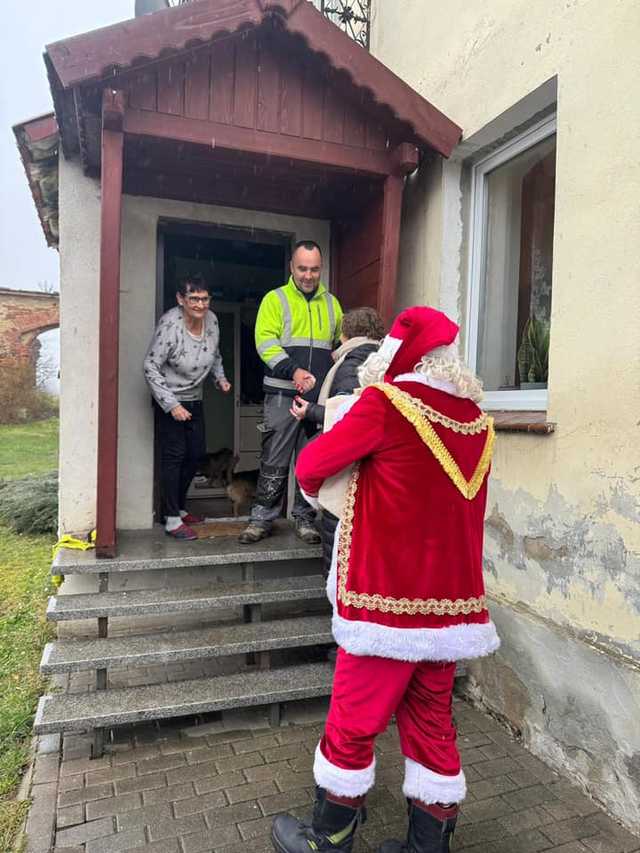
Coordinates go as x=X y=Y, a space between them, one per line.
x=513 y=192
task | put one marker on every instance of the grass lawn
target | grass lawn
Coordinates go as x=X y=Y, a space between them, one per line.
x=28 y=448
x=24 y=586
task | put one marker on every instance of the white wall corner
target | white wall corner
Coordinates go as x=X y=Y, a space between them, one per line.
x=451 y=289
x=79 y=205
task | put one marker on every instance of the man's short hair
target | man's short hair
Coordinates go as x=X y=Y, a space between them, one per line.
x=309 y=245
x=192 y=282
x=363 y=323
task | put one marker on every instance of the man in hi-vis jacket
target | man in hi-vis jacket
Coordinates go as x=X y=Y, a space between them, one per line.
x=297 y=327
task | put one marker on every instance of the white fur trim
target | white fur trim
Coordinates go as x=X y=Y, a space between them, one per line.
x=343 y=783
x=438 y=384
x=420 y=783
x=332 y=580
x=349 y=402
x=456 y=642
x=389 y=347
x=310 y=499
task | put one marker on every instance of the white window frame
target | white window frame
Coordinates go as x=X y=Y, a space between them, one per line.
x=533 y=400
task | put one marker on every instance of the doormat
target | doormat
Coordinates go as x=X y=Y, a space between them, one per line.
x=219 y=529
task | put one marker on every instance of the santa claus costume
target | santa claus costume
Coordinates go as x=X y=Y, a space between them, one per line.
x=406 y=587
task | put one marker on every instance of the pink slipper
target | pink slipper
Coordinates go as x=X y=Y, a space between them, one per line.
x=183 y=533
x=192 y=519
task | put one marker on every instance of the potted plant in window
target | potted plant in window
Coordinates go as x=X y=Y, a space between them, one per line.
x=533 y=354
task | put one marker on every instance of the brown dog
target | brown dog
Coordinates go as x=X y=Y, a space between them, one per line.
x=242 y=488
x=218 y=467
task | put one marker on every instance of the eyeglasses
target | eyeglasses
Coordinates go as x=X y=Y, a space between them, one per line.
x=198 y=300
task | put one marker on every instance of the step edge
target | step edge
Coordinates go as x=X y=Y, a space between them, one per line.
x=185 y=605
x=197 y=653
x=41 y=726
x=121 y=565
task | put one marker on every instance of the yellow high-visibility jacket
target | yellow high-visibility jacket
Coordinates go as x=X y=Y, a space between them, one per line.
x=293 y=331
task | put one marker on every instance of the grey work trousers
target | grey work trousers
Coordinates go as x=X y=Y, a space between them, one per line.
x=283 y=437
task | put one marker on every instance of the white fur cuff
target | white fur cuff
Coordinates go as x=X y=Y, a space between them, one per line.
x=310 y=499
x=420 y=783
x=456 y=642
x=343 y=783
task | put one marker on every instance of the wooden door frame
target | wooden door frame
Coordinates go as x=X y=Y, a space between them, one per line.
x=217 y=231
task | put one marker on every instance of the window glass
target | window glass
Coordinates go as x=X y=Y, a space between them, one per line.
x=515 y=288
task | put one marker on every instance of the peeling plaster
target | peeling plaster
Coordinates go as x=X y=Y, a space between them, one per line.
x=576 y=706
x=574 y=568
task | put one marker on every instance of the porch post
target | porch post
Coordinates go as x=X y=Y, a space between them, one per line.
x=391 y=215
x=110 y=223
x=405 y=159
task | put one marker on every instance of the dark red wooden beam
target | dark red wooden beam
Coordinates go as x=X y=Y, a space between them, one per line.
x=110 y=226
x=405 y=158
x=224 y=136
x=37 y=129
x=391 y=216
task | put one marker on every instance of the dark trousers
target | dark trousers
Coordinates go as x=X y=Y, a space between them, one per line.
x=283 y=437
x=182 y=448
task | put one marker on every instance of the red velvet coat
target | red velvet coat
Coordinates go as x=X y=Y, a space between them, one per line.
x=408 y=562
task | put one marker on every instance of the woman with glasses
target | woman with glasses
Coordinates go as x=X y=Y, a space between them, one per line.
x=183 y=352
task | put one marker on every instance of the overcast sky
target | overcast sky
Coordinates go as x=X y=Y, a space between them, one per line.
x=26 y=28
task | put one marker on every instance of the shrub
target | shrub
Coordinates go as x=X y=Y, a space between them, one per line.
x=30 y=504
x=20 y=399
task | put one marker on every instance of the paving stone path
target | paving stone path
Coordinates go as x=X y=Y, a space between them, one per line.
x=214 y=789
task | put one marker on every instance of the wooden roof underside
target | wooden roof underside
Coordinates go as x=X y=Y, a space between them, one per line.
x=84 y=63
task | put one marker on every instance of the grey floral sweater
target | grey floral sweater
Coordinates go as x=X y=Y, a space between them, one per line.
x=177 y=363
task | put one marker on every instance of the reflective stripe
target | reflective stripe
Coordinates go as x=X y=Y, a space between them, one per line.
x=276 y=359
x=338 y=837
x=286 y=384
x=286 y=315
x=265 y=345
x=305 y=342
x=332 y=315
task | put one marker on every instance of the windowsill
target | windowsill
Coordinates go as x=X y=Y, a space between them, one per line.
x=512 y=421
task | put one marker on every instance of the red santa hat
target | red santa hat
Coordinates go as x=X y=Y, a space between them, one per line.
x=415 y=332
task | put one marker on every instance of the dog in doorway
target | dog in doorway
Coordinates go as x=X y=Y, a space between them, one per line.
x=242 y=489
x=218 y=468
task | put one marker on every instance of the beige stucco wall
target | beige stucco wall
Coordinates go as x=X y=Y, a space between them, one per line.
x=563 y=534
x=80 y=242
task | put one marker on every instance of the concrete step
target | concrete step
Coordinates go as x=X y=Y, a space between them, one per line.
x=167 y=601
x=176 y=646
x=108 y=708
x=144 y=550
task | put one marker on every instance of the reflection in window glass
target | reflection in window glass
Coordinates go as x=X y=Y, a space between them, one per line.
x=515 y=301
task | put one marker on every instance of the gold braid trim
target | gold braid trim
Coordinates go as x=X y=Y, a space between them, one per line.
x=475 y=427
x=412 y=410
x=411 y=606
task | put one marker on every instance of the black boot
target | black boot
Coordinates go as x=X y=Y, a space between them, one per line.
x=332 y=826
x=430 y=829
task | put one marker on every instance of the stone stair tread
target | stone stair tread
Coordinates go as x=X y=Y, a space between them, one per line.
x=175 y=646
x=144 y=550
x=165 y=601
x=106 y=708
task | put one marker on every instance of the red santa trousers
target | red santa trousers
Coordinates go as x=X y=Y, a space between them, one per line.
x=367 y=691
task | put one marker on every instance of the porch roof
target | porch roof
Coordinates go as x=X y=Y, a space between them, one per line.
x=37 y=140
x=97 y=58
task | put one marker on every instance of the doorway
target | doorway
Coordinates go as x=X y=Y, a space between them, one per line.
x=241 y=266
